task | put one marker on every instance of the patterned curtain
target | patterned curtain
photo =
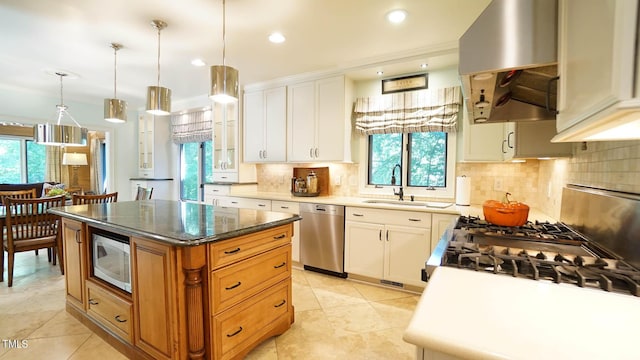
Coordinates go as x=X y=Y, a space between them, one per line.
x=411 y=111
x=192 y=126
x=53 y=164
x=96 y=165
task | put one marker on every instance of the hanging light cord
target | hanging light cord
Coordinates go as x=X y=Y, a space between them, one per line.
x=115 y=68
x=224 y=32
x=159 y=28
x=62 y=108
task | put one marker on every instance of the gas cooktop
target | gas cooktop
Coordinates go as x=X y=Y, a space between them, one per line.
x=536 y=250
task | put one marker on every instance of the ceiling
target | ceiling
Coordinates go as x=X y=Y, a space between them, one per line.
x=74 y=36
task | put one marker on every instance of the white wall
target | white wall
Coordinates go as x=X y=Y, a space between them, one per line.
x=32 y=108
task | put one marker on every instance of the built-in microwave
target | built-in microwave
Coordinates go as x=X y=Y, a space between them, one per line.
x=111 y=260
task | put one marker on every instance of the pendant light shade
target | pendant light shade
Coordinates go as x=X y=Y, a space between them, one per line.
x=224 y=84
x=224 y=79
x=115 y=110
x=57 y=134
x=158 y=98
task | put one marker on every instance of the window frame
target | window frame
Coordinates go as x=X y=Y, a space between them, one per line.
x=447 y=192
x=201 y=170
x=23 y=156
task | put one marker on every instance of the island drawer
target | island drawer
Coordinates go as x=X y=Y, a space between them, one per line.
x=226 y=252
x=110 y=310
x=241 y=280
x=249 y=321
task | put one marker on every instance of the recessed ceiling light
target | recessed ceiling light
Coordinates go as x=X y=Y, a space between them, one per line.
x=276 y=38
x=424 y=66
x=397 y=16
x=380 y=72
x=198 y=62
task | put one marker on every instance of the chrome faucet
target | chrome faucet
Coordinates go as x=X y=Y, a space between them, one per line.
x=400 y=193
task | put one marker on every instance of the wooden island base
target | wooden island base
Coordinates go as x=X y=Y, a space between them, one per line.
x=217 y=300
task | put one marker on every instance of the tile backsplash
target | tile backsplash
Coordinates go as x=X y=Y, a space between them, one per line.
x=613 y=165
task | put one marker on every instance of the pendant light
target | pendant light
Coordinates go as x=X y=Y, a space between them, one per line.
x=115 y=110
x=158 y=98
x=60 y=135
x=224 y=79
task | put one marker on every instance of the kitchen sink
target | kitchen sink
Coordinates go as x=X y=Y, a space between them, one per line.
x=429 y=204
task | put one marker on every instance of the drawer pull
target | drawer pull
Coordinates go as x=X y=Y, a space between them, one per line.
x=279 y=266
x=282 y=236
x=358 y=215
x=93 y=302
x=262 y=205
x=232 y=251
x=233 y=286
x=119 y=320
x=235 y=333
x=234 y=202
x=284 y=207
x=412 y=219
x=282 y=303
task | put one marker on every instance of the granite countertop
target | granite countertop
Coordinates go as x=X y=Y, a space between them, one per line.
x=476 y=315
x=175 y=222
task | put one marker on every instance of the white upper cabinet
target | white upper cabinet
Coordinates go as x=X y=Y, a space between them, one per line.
x=319 y=120
x=265 y=123
x=226 y=154
x=154 y=140
x=597 y=68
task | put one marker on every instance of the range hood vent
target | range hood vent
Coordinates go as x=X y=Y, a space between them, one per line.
x=508 y=62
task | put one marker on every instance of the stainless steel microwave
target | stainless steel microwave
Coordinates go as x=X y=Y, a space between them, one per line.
x=111 y=260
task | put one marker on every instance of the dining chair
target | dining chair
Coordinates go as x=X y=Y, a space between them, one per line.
x=77 y=199
x=144 y=193
x=29 y=227
x=20 y=194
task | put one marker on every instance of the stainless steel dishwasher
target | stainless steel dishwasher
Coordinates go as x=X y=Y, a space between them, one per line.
x=322 y=238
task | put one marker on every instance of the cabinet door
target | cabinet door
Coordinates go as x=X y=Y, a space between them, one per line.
x=330 y=122
x=254 y=122
x=75 y=261
x=482 y=142
x=596 y=62
x=275 y=127
x=364 y=249
x=301 y=115
x=145 y=145
x=407 y=249
x=153 y=300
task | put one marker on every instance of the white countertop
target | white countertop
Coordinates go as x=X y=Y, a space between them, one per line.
x=473 y=210
x=476 y=315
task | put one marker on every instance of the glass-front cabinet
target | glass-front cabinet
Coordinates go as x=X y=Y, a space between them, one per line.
x=225 y=142
x=145 y=145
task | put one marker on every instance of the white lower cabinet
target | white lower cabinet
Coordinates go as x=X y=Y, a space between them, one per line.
x=290 y=207
x=386 y=244
x=245 y=203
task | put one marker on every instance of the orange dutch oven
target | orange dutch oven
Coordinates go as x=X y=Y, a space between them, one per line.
x=506 y=212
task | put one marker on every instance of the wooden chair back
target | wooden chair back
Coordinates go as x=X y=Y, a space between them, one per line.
x=144 y=193
x=30 y=227
x=18 y=194
x=77 y=199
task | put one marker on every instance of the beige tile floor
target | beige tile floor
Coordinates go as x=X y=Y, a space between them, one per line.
x=335 y=319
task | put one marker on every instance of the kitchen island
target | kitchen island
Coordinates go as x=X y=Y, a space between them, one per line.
x=205 y=282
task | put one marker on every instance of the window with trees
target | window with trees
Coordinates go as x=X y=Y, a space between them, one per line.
x=196 y=167
x=424 y=164
x=22 y=160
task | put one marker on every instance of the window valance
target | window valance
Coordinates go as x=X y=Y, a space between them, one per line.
x=411 y=111
x=192 y=126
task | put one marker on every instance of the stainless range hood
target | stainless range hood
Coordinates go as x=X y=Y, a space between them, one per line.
x=508 y=62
